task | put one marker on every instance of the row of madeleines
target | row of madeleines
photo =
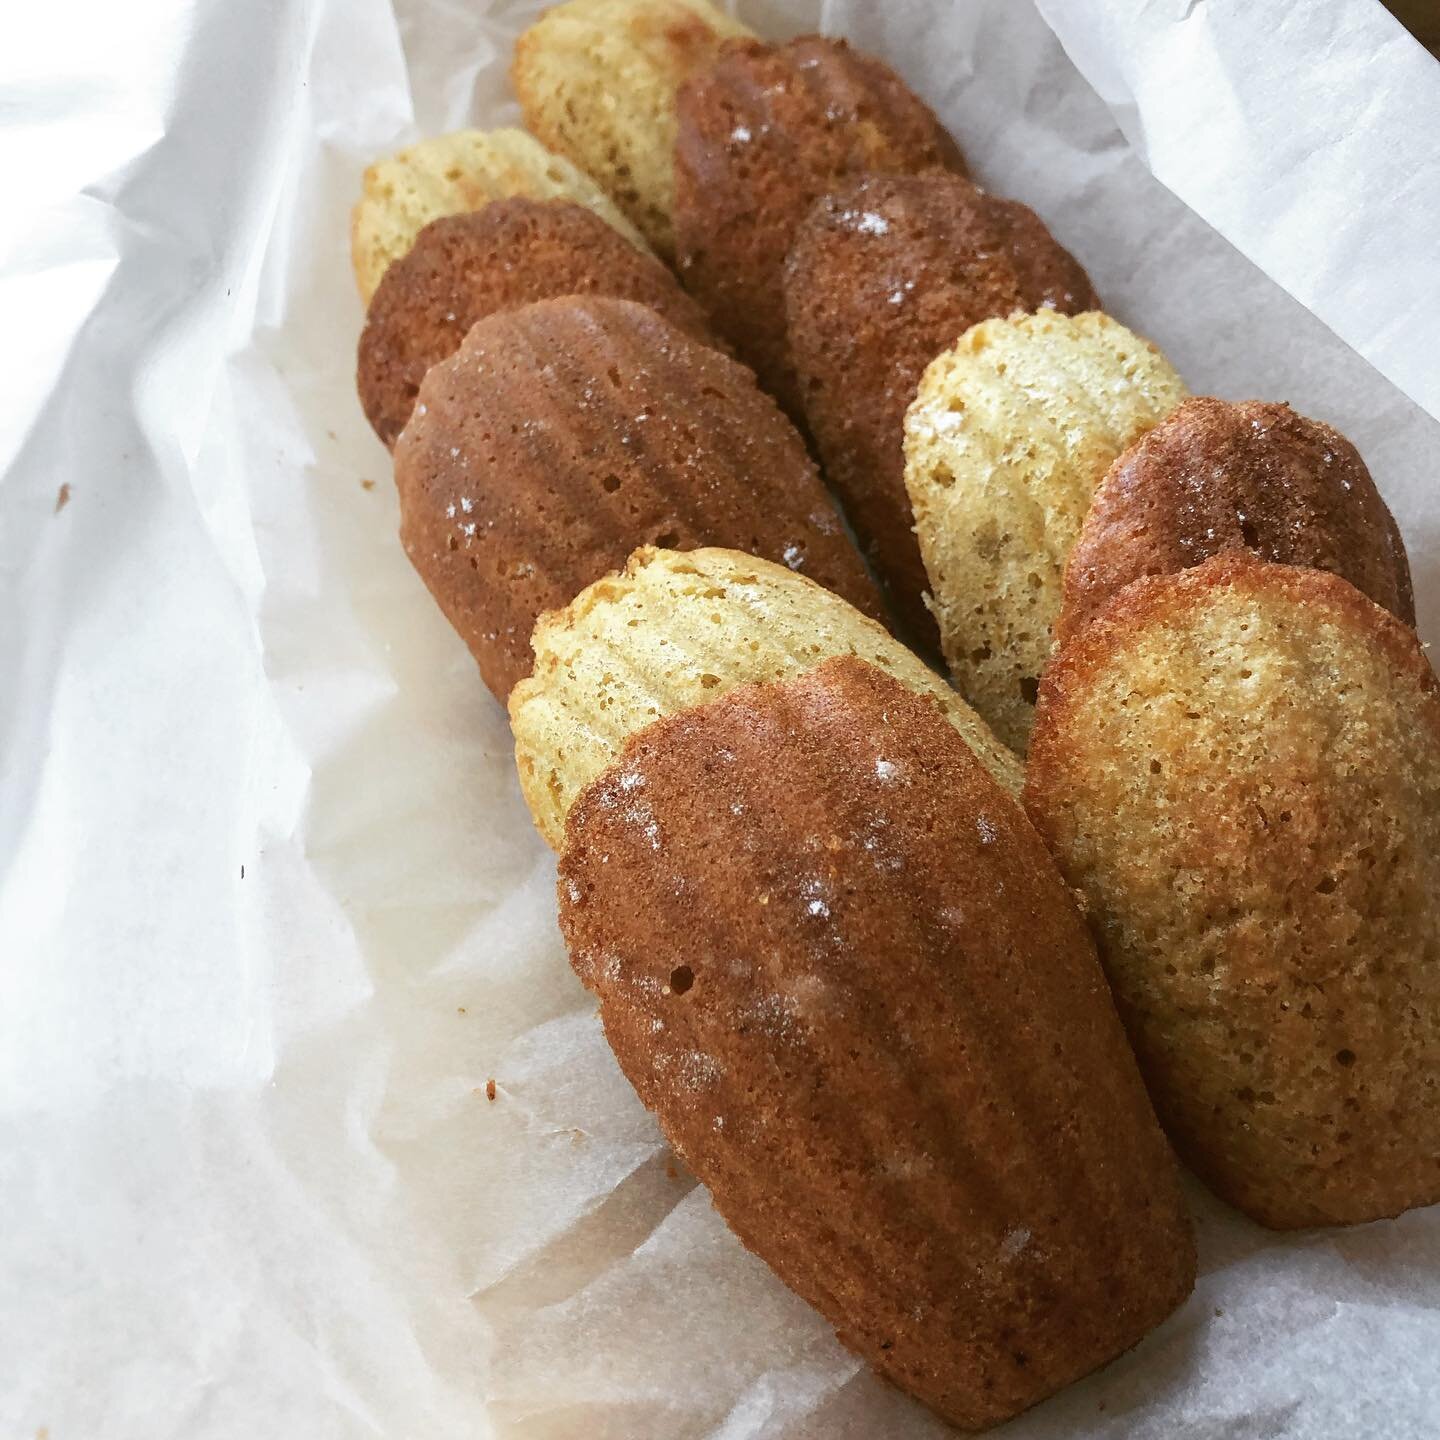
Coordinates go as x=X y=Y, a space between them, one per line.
x=844 y=942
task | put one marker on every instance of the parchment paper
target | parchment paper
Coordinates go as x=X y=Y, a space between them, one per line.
x=271 y=913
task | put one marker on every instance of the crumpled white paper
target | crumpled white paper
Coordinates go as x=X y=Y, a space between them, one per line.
x=271 y=913
x=1325 y=207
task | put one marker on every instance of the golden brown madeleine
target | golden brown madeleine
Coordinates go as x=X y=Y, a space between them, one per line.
x=562 y=435
x=839 y=965
x=884 y=275
x=466 y=267
x=453 y=174
x=1239 y=766
x=764 y=132
x=675 y=630
x=1214 y=478
x=1010 y=432
x=597 y=80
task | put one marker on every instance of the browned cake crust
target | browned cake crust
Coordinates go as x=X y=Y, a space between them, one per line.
x=1216 y=478
x=764 y=132
x=836 y=961
x=465 y=267
x=882 y=277
x=564 y=434
x=1238 y=765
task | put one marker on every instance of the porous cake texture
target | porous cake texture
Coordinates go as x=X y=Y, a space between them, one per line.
x=1238 y=765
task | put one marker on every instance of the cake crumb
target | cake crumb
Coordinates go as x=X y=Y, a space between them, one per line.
x=62 y=499
x=367 y=484
x=490 y=1089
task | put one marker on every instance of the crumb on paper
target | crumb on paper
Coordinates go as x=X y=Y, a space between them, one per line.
x=490 y=1089
x=62 y=498
x=367 y=484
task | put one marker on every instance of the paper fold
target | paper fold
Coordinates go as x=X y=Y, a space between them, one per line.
x=1305 y=134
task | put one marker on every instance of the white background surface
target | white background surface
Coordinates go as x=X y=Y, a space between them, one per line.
x=249 y=1181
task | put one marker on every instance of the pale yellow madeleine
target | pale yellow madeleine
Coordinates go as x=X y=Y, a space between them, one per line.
x=597 y=82
x=678 y=629
x=452 y=175
x=1009 y=434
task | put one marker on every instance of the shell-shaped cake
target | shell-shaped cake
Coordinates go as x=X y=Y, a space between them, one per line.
x=1214 y=478
x=763 y=133
x=1238 y=765
x=839 y=965
x=883 y=276
x=451 y=175
x=597 y=80
x=465 y=267
x=676 y=630
x=1009 y=434
x=564 y=434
